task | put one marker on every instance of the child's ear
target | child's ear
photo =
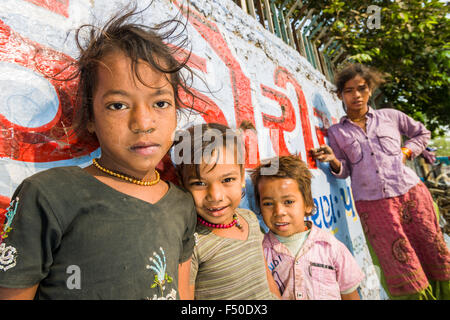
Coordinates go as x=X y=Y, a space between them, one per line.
x=308 y=210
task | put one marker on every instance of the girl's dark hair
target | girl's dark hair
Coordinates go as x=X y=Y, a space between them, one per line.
x=202 y=140
x=289 y=167
x=373 y=78
x=160 y=46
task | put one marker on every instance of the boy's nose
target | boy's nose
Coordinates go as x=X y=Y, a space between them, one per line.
x=214 y=194
x=278 y=210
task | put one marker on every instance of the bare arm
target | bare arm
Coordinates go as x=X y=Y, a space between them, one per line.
x=351 y=296
x=18 y=294
x=185 y=290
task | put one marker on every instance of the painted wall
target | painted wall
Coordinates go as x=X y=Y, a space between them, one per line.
x=250 y=74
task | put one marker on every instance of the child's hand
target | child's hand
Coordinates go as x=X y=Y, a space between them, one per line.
x=323 y=154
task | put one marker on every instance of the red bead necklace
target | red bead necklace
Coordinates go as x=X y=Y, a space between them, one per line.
x=220 y=226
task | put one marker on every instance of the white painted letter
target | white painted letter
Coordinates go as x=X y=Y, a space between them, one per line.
x=74 y=281
x=374 y=20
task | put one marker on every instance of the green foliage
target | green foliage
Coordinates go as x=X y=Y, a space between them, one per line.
x=412 y=47
x=442 y=144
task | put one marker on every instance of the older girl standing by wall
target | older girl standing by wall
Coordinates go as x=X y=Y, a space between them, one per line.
x=395 y=208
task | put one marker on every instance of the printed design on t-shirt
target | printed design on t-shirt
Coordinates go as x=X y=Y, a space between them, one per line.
x=8 y=256
x=10 y=212
x=196 y=238
x=159 y=266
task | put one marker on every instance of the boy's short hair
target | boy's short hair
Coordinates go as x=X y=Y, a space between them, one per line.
x=201 y=141
x=289 y=167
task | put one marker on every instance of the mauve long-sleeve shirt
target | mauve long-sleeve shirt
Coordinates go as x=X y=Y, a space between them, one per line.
x=373 y=159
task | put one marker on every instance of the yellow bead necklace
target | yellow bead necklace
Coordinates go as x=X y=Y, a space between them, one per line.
x=126 y=178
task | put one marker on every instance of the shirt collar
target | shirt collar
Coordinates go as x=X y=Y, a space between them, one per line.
x=277 y=245
x=316 y=235
x=370 y=113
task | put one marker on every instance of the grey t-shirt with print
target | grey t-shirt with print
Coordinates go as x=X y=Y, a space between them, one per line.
x=81 y=239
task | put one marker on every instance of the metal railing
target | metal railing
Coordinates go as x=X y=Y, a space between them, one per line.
x=301 y=28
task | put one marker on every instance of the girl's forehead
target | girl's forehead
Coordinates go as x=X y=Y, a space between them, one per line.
x=115 y=70
x=118 y=60
x=355 y=81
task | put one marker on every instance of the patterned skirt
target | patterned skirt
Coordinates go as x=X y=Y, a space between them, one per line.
x=406 y=238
